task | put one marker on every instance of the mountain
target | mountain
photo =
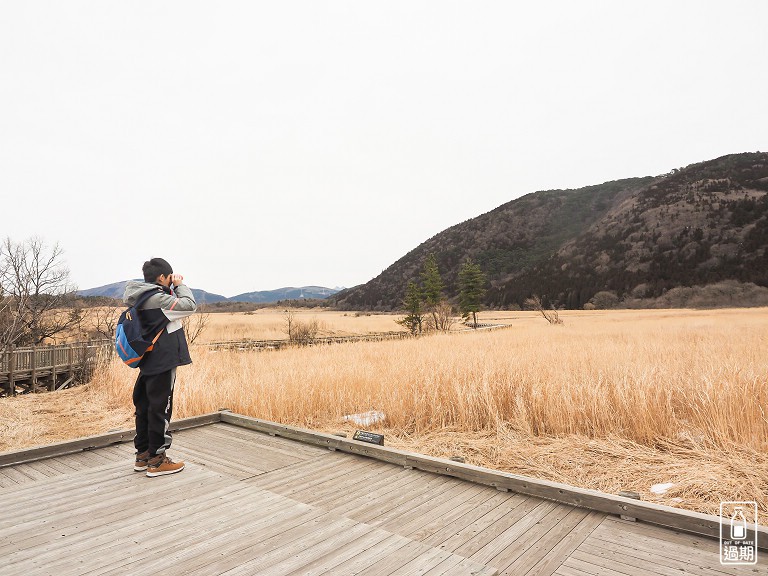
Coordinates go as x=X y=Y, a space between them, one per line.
x=636 y=237
x=116 y=290
x=288 y=293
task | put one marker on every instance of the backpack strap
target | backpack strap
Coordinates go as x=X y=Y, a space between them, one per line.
x=151 y=346
x=143 y=298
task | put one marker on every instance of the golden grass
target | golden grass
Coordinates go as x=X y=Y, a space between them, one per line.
x=611 y=400
x=269 y=324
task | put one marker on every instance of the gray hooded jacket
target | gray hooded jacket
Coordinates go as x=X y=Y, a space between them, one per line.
x=162 y=311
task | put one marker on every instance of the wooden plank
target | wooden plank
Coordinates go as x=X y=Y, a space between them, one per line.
x=277 y=478
x=5 y=481
x=540 y=541
x=425 y=510
x=585 y=567
x=364 y=497
x=517 y=531
x=463 y=567
x=474 y=536
x=221 y=460
x=438 y=531
x=251 y=452
x=587 y=562
x=180 y=519
x=565 y=545
x=390 y=565
x=654 y=537
x=344 y=484
x=15 y=476
x=394 y=501
x=270 y=545
x=92 y=442
x=32 y=472
x=428 y=559
x=112 y=501
x=301 y=552
x=191 y=542
x=47 y=536
x=664 y=544
x=340 y=555
x=616 y=555
x=667 y=516
x=227 y=432
x=351 y=488
x=317 y=479
x=48 y=488
x=150 y=535
x=571 y=571
x=384 y=550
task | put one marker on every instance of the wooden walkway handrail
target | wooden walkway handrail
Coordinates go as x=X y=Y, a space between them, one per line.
x=27 y=365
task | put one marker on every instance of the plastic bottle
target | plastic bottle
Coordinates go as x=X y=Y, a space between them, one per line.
x=738 y=525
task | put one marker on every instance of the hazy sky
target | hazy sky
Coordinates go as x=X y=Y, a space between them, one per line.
x=257 y=145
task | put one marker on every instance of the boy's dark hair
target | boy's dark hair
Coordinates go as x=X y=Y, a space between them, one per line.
x=154 y=268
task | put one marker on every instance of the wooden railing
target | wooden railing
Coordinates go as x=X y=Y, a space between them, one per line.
x=35 y=368
x=318 y=340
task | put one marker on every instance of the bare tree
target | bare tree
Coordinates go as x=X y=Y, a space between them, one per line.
x=300 y=332
x=289 y=319
x=105 y=320
x=442 y=317
x=551 y=316
x=196 y=324
x=36 y=290
x=11 y=313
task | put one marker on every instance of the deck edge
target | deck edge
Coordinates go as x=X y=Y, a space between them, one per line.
x=13 y=457
x=674 y=518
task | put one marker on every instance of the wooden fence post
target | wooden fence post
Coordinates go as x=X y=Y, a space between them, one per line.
x=33 y=368
x=71 y=361
x=52 y=384
x=11 y=364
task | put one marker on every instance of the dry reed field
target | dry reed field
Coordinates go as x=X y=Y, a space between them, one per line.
x=615 y=400
x=269 y=324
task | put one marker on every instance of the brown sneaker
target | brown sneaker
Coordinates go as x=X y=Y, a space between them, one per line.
x=142 y=458
x=161 y=465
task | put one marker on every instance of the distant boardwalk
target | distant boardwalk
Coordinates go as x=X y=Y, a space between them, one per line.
x=36 y=368
x=253 y=503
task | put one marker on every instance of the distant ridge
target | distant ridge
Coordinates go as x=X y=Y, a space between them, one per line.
x=116 y=290
x=636 y=238
x=287 y=293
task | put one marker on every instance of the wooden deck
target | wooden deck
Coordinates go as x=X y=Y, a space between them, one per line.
x=250 y=503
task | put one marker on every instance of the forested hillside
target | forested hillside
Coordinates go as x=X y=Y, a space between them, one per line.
x=637 y=237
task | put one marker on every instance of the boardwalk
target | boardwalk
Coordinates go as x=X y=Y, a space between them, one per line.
x=251 y=503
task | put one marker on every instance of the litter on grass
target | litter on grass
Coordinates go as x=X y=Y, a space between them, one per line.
x=365 y=418
x=661 y=488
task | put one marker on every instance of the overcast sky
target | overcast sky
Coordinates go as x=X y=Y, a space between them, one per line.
x=257 y=145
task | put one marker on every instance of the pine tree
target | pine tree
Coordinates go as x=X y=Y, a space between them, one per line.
x=414 y=315
x=471 y=290
x=432 y=286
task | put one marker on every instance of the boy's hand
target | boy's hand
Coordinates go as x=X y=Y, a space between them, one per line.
x=177 y=279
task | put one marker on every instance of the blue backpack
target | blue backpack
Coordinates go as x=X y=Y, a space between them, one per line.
x=129 y=343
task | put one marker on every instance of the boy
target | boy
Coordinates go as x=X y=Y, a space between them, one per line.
x=153 y=391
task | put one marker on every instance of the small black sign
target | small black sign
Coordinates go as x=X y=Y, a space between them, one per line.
x=369 y=437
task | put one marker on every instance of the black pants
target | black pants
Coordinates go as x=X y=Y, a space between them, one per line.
x=153 y=399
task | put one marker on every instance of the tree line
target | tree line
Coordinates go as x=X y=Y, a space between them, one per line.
x=425 y=305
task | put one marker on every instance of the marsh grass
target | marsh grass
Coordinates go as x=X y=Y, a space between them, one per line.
x=611 y=400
